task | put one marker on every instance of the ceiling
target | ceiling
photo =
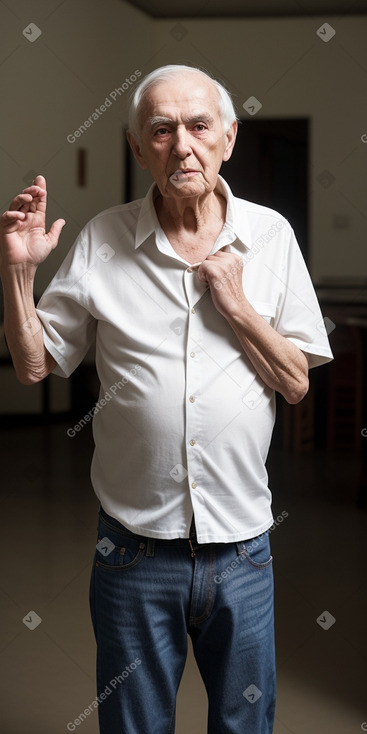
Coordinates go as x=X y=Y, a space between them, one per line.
x=248 y=8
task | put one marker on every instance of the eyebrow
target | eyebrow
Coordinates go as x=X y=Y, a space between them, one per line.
x=161 y=119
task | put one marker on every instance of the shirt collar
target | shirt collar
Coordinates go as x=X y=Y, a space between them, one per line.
x=236 y=222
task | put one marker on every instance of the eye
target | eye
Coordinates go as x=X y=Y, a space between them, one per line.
x=201 y=126
x=161 y=131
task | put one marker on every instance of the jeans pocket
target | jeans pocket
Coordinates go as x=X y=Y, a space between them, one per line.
x=126 y=553
x=257 y=551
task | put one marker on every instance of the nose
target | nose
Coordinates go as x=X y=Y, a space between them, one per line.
x=181 y=142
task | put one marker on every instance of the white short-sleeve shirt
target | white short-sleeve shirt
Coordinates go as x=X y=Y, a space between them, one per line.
x=183 y=422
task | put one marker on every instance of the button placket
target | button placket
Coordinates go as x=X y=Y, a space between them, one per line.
x=194 y=288
x=193 y=411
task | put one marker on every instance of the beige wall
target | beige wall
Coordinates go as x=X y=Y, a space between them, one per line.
x=89 y=48
x=292 y=72
x=49 y=87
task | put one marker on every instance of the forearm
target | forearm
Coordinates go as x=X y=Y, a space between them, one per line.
x=23 y=330
x=279 y=363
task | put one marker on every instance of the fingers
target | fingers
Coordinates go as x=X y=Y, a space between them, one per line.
x=20 y=201
x=223 y=253
x=221 y=266
x=40 y=181
x=39 y=191
x=9 y=221
x=28 y=200
x=55 y=231
x=32 y=197
x=35 y=190
x=38 y=194
x=10 y=216
x=202 y=272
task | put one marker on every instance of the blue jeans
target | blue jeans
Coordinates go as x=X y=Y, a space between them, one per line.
x=147 y=595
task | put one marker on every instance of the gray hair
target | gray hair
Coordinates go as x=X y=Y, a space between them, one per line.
x=226 y=107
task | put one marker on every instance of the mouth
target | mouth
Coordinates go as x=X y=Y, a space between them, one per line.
x=180 y=176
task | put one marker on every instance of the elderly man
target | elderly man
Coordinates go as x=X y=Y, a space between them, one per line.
x=201 y=308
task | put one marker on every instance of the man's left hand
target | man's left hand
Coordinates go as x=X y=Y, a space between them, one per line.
x=223 y=273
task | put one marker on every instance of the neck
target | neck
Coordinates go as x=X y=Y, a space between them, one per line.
x=190 y=214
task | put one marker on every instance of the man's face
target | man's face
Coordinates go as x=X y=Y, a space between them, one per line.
x=182 y=140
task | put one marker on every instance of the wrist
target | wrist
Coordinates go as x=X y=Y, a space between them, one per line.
x=18 y=279
x=16 y=271
x=241 y=313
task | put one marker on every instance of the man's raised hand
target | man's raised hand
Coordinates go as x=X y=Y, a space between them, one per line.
x=23 y=237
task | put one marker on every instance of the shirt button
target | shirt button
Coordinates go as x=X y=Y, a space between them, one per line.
x=189 y=270
x=194 y=485
x=193 y=310
x=192 y=354
x=192 y=442
x=192 y=399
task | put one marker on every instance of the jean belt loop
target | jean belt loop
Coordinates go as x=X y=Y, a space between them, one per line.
x=150 y=547
x=241 y=547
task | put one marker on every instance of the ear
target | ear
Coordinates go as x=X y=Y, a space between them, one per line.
x=136 y=149
x=231 y=139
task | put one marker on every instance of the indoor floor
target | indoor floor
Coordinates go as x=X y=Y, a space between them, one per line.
x=48 y=540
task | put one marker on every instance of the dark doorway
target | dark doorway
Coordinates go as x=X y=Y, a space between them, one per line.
x=269 y=166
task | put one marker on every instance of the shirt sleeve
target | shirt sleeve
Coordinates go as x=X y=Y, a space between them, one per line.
x=299 y=317
x=68 y=326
